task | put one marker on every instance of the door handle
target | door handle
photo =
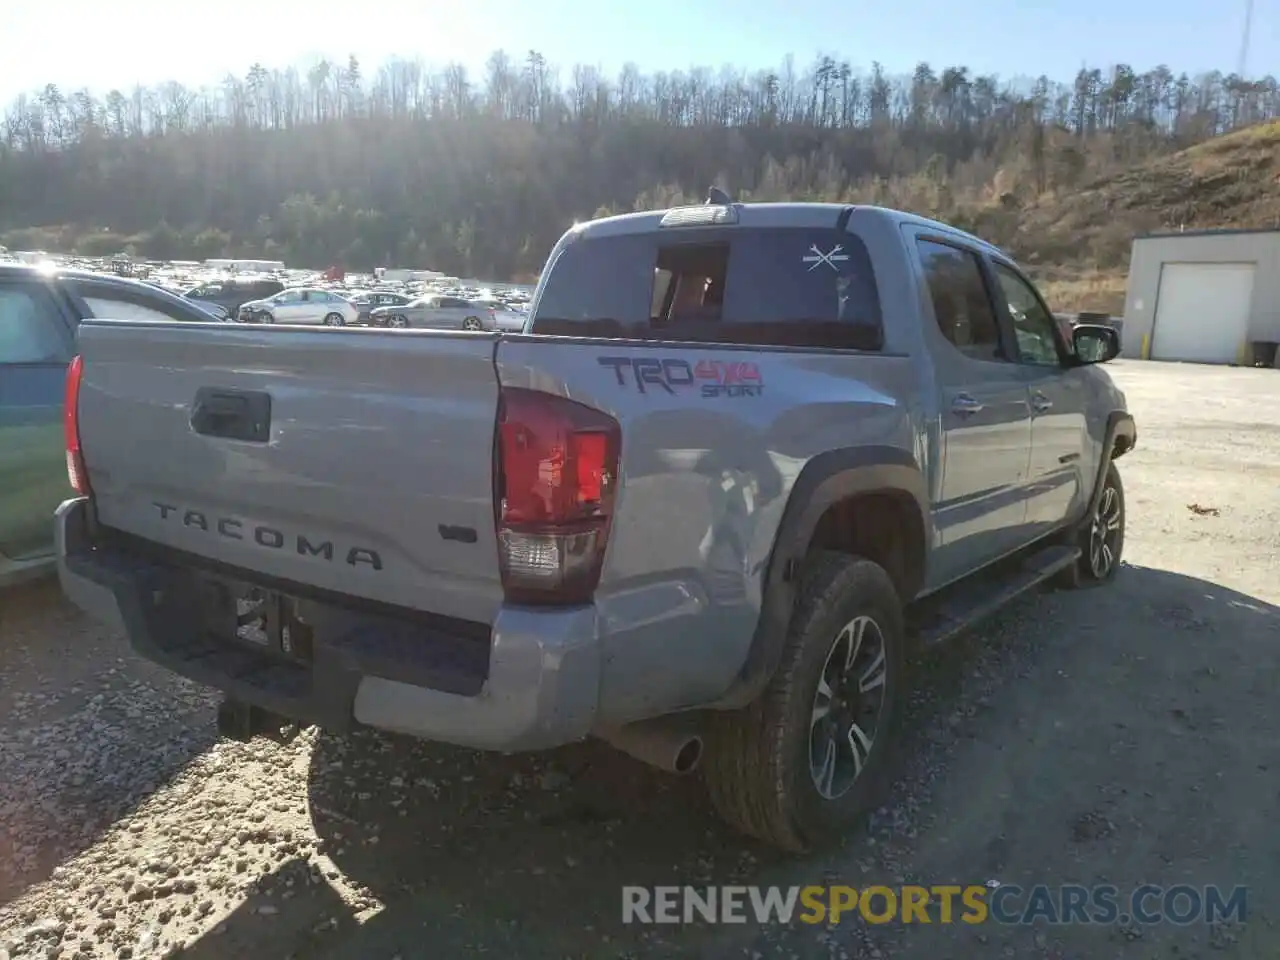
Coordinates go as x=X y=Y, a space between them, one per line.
x=1040 y=403
x=232 y=414
x=965 y=405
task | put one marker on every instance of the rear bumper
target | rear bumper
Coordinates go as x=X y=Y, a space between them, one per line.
x=532 y=683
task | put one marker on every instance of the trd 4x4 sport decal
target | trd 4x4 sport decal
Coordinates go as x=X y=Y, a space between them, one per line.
x=712 y=378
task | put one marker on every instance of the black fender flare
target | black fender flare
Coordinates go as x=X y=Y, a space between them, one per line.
x=1121 y=436
x=825 y=480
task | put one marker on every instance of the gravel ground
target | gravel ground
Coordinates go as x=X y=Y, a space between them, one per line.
x=1119 y=735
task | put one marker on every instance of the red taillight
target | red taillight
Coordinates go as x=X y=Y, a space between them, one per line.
x=71 y=428
x=557 y=473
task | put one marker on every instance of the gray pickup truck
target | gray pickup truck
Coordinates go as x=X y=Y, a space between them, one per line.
x=744 y=458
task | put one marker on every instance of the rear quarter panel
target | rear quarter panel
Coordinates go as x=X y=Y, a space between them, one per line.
x=713 y=443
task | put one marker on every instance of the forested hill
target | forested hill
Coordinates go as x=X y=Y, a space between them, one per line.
x=478 y=175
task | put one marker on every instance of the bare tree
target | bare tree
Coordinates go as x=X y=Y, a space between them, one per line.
x=428 y=166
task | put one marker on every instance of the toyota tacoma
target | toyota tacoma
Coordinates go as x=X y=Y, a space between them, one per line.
x=742 y=460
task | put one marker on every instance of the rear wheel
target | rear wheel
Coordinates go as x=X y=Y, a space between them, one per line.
x=810 y=756
x=335 y=320
x=472 y=323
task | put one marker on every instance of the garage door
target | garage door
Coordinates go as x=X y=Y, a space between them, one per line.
x=1202 y=312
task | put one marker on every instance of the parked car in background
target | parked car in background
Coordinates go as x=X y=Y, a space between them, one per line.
x=510 y=321
x=506 y=319
x=39 y=313
x=368 y=301
x=304 y=305
x=230 y=294
x=437 y=313
x=215 y=310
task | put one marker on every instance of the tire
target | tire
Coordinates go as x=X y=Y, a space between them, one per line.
x=472 y=323
x=1100 y=537
x=335 y=320
x=763 y=762
x=399 y=321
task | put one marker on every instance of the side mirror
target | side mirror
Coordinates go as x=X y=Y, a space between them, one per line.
x=1095 y=342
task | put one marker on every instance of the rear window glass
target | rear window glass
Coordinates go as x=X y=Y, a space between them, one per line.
x=256 y=288
x=801 y=287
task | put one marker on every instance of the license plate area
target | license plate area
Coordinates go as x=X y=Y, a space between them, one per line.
x=262 y=620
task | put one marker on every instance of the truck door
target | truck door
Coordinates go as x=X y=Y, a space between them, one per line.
x=985 y=419
x=35 y=347
x=1058 y=483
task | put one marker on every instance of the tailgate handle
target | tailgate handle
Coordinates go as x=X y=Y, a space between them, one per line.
x=232 y=414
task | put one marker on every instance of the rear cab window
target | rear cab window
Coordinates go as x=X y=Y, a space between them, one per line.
x=805 y=287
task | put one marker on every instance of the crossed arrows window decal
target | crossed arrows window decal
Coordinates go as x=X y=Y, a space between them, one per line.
x=817 y=257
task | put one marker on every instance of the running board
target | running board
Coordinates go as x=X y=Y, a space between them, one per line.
x=961 y=605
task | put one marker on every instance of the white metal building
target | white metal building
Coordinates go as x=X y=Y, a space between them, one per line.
x=1205 y=296
x=245 y=266
x=398 y=275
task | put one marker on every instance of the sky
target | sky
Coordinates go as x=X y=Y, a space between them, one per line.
x=101 y=44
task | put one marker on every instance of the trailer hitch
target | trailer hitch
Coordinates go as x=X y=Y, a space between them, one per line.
x=242 y=721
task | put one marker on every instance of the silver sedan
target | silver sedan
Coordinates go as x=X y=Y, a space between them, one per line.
x=437 y=312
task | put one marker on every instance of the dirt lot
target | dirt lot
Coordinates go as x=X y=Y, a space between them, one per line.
x=1120 y=735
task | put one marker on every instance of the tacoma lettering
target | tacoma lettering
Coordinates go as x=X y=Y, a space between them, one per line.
x=307 y=548
x=268 y=537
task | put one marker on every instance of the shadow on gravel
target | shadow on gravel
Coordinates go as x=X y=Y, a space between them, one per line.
x=87 y=732
x=459 y=853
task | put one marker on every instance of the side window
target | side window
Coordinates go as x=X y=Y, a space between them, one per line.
x=289 y=296
x=1033 y=325
x=115 y=309
x=30 y=331
x=960 y=301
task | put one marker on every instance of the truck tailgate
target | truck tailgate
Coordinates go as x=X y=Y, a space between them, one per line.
x=372 y=477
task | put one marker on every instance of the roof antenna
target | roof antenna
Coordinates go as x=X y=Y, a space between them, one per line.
x=717 y=197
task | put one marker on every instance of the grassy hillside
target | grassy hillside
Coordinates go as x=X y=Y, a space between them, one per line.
x=1230 y=181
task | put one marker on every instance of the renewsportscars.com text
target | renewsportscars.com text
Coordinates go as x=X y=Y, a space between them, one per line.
x=974 y=904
